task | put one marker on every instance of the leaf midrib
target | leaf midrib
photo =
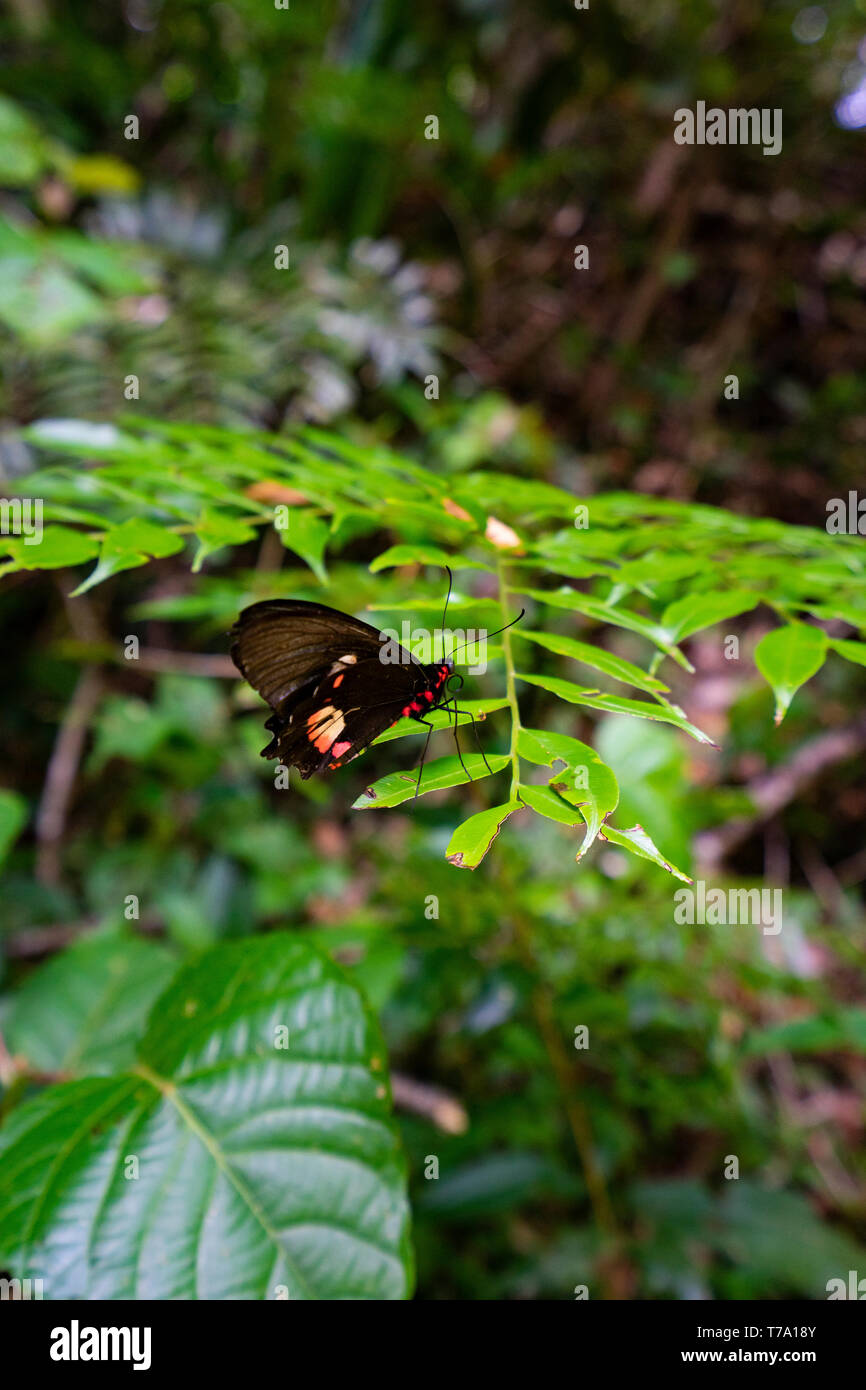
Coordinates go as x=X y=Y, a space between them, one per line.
x=169 y=1092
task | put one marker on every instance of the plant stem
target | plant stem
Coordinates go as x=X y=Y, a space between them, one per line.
x=510 y=688
x=562 y=1064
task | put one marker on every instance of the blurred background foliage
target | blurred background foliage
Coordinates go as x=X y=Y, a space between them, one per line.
x=305 y=127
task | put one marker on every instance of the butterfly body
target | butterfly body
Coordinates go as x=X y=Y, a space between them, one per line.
x=334 y=683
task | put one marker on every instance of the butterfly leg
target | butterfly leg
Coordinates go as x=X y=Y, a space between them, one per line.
x=457 y=744
x=473 y=722
x=429 y=727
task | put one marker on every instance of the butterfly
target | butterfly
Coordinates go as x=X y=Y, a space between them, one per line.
x=334 y=683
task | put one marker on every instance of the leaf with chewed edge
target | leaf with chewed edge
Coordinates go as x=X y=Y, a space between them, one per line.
x=638 y=842
x=471 y=840
x=597 y=799
x=546 y=802
x=398 y=787
x=617 y=704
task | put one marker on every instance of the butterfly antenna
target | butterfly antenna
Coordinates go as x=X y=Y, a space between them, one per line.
x=493 y=634
x=445 y=610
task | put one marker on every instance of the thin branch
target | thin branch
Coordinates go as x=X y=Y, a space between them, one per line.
x=431 y=1102
x=510 y=688
x=61 y=774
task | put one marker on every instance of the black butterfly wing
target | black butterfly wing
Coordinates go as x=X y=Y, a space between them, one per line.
x=321 y=673
x=283 y=646
x=342 y=716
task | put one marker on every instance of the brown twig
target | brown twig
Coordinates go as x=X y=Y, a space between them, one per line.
x=431 y=1102
x=33 y=942
x=151 y=660
x=60 y=776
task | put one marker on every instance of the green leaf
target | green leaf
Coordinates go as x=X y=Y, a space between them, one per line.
x=608 y=613
x=443 y=719
x=83 y=1011
x=423 y=555
x=617 y=704
x=638 y=842
x=787 y=657
x=753 y=1226
x=215 y=530
x=60 y=546
x=687 y=615
x=128 y=545
x=545 y=802
x=13 y=814
x=43 y=304
x=398 y=787
x=595 y=657
x=471 y=840
x=128 y=727
x=586 y=782
x=512 y=495
x=822 y=1033
x=22 y=148
x=266 y=1159
x=852 y=651
x=307 y=537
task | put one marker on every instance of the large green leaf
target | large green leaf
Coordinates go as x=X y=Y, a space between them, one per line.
x=247 y=1155
x=83 y=1011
